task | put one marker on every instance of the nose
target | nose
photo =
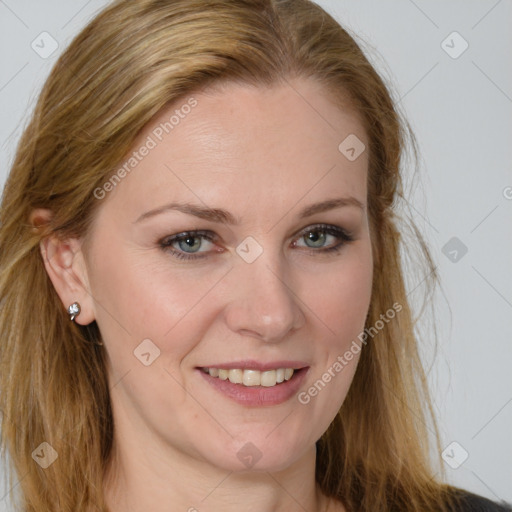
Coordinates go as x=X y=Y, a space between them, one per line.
x=264 y=304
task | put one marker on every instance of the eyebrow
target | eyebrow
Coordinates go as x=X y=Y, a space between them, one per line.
x=225 y=217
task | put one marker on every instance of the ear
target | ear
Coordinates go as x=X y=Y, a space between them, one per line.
x=65 y=265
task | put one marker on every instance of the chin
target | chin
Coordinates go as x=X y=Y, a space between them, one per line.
x=257 y=454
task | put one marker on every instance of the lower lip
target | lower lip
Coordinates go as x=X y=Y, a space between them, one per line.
x=258 y=395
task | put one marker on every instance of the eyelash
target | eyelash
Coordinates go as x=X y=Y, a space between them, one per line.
x=166 y=243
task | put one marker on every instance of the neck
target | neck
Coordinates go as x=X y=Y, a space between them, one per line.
x=138 y=480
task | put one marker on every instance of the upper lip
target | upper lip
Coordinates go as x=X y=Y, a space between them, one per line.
x=250 y=364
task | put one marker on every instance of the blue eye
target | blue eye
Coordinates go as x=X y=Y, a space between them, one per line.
x=315 y=237
x=190 y=243
x=187 y=245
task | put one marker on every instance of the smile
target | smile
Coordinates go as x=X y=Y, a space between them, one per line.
x=251 y=378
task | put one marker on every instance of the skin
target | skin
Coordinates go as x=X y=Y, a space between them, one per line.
x=263 y=154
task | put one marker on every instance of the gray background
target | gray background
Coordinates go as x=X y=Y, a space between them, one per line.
x=460 y=109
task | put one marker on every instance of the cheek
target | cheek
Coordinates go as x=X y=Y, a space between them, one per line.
x=341 y=301
x=141 y=296
x=341 y=297
x=131 y=303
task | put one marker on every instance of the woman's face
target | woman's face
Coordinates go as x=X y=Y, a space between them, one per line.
x=265 y=283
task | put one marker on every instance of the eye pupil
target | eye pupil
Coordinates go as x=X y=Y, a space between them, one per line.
x=317 y=237
x=189 y=241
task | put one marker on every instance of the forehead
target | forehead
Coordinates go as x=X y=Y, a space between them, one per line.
x=262 y=142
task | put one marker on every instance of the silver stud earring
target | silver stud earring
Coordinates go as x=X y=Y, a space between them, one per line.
x=74 y=310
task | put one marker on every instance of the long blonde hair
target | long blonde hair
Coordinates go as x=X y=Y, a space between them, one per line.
x=131 y=61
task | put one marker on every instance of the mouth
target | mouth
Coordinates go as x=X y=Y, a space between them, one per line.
x=250 y=378
x=251 y=384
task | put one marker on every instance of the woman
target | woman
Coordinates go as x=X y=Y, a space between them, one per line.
x=207 y=190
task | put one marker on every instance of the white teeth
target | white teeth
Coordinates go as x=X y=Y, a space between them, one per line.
x=268 y=378
x=236 y=376
x=250 y=378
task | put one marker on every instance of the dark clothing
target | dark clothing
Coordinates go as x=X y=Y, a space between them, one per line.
x=473 y=503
